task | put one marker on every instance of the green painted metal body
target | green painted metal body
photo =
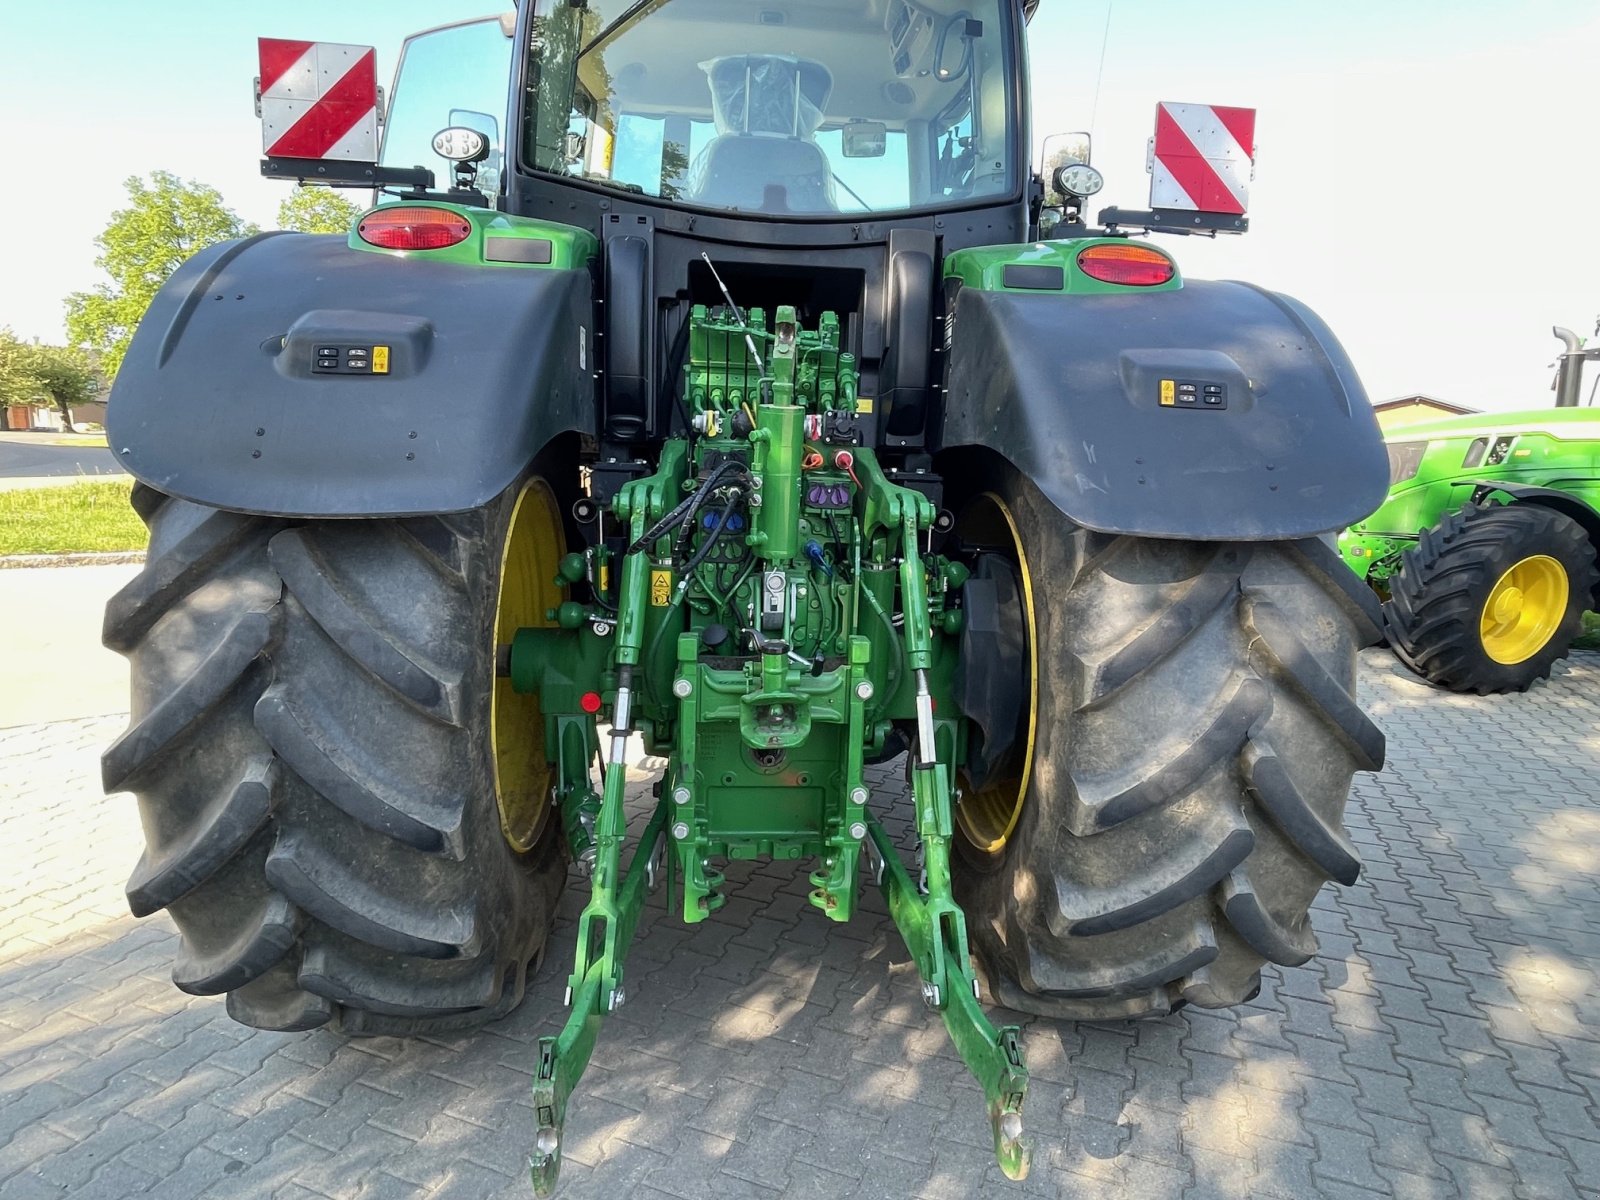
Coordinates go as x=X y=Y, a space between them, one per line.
x=764 y=644
x=567 y=247
x=983 y=267
x=1437 y=466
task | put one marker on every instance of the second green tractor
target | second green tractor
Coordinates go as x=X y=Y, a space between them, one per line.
x=1485 y=548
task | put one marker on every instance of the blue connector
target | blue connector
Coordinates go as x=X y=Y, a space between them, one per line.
x=818 y=555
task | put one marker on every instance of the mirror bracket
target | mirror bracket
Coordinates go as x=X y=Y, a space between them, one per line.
x=342 y=173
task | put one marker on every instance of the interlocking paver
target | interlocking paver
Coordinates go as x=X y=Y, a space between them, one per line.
x=1441 y=1045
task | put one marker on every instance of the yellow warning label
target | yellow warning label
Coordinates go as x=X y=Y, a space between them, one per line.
x=660 y=588
x=1169 y=391
x=863 y=404
x=380 y=360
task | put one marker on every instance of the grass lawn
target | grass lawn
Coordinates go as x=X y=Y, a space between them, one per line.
x=73 y=518
x=1591 y=632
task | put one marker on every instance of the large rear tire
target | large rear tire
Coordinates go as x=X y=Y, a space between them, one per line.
x=310 y=749
x=1491 y=597
x=1177 y=796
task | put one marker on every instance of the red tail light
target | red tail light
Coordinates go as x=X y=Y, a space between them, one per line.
x=406 y=228
x=1123 y=262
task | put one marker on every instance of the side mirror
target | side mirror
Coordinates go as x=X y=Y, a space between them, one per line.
x=864 y=139
x=488 y=177
x=1060 y=150
x=481 y=121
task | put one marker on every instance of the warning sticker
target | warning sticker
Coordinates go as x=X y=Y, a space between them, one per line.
x=863 y=404
x=660 y=588
x=1169 y=391
x=380 y=360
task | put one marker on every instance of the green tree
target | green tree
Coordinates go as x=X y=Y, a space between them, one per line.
x=31 y=373
x=16 y=384
x=64 y=375
x=167 y=220
x=316 y=210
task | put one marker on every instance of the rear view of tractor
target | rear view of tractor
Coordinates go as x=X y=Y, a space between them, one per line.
x=725 y=398
x=1486 y=546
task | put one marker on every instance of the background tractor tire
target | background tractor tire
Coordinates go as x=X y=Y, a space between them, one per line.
x=309 y=748
x=1183 y=781
x=1464 y=570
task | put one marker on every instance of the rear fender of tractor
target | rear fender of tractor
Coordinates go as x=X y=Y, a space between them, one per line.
x=1564 y=503
x=221 y=399
x=1084 y=394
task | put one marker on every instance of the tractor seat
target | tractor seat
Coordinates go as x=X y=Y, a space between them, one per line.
x=736 y=170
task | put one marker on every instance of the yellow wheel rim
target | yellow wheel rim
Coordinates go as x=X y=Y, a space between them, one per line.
x=987 y=816
x=528 y=561
x=1524 y=609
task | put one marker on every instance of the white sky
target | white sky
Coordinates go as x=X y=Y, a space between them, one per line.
x=1433 y=189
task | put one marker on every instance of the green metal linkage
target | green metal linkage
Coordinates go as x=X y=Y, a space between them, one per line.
x=700 y=895
x=607 y=922
x=576 y=744
x=994 y=1056
x=767 y=664
x=834 y=886
x=562 y=1059
x=933 y=925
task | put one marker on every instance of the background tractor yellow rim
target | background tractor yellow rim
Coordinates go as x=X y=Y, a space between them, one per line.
x=988 y=817
x=1524 y=609
x=528 y=561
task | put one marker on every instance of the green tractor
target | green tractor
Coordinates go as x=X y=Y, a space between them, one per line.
x=726 y=399
x=1485 y=550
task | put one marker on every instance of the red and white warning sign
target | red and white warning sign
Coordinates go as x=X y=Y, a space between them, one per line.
x=318 y=100
x=1202 y=157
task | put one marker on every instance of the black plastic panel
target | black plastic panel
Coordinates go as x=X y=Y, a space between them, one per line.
x=1033 y=278
x=905 y=374
x=630 y=392
x=220 y=399
x=1069 y=389
x=517 y=250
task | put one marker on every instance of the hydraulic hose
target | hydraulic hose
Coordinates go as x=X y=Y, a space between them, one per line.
x=706 y=546
x=685 y=575
x=701 y=495
x=894 y=637
x=671 y=521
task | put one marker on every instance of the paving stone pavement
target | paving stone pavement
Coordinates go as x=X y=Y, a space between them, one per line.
x=1446 y=1041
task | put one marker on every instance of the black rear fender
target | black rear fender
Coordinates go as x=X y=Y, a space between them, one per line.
x=220 y=399
x=1070 y=389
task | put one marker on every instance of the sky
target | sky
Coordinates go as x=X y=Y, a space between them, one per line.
x=1421 y=177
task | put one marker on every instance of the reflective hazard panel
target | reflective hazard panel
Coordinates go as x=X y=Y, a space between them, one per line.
x=1202 y=157
x=318 y=100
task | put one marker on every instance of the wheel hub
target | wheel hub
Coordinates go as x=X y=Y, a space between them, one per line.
x=1524 y=609
x=1508 y=605
x=987 y=814
x=528 y=591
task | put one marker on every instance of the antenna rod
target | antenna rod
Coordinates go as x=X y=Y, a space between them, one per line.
x=749 y=342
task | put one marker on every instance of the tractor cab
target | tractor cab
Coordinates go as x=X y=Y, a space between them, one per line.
x=826 y=155
x=793 y=110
